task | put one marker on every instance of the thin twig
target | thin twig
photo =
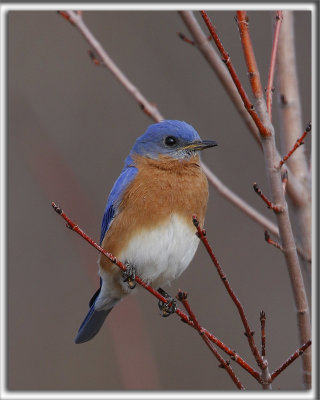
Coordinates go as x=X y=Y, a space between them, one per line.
x=263 y=333
x=298 y=143
x=269 y=89
x=248 y=331
x=226 y=59
x=253 y=72
x=290 y=360
x=270 y=241
x=182 y=296
x=276 y=209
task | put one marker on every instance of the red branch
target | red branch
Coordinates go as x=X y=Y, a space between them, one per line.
x=273 y=207
x=298 y=143
x=248 y=332
x=253 y=71
x=290 y=360
x=71 y=225
x=263 y=333
x=269 y=89
x=226 y=59
x=270 y=241
x=182 y=296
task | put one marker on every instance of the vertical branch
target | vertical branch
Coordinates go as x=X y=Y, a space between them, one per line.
x=253 y=71
x=292 y=126
x=274 y=176
x=269 y=89
x=263 y=333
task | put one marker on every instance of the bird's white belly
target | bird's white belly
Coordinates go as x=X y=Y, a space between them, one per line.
x=161 y=255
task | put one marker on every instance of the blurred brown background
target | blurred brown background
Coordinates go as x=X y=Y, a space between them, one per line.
x=70 y=126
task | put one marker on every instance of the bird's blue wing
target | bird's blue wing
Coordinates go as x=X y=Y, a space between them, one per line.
x=127 y=175
x=95 y=319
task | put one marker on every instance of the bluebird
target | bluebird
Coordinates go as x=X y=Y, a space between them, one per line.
x=147 y=223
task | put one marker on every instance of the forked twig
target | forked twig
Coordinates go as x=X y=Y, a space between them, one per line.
x=182 y=296
x=248 y=331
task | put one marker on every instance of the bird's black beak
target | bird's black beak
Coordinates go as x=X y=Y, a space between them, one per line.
x=201 y=145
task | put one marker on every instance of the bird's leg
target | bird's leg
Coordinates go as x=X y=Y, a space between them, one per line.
x=129 y=275
x=169 y=307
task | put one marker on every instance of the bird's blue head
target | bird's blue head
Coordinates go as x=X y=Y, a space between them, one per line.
x=175 y=139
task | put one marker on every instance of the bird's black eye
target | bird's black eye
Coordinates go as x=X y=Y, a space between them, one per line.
x=170 y=141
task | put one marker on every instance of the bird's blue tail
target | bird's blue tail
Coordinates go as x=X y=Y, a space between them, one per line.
x=93 y=320
x=91 y=324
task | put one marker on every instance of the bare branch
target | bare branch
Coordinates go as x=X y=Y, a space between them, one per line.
x=298 y=143
x=290 y=360
x=248 y=331
x=263 y=333
x=275 y=208
x=182 y=296
x=274 y=176
x=269 y=89
x=226 y=59
x=292 y=125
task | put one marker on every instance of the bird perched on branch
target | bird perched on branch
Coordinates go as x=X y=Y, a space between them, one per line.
x=147 y=222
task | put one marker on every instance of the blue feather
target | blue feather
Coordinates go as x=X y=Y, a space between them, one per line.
x=127 y=175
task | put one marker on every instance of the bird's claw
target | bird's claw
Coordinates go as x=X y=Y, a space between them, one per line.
x=169 y=307
x=129 y=276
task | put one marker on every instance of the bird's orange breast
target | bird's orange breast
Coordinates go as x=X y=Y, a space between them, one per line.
x=161 y=188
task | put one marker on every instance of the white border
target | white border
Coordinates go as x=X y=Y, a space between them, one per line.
x=4 y=394
x=158 y=6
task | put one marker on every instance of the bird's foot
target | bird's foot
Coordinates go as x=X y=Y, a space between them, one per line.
x=169 y=307
x=129 y=276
